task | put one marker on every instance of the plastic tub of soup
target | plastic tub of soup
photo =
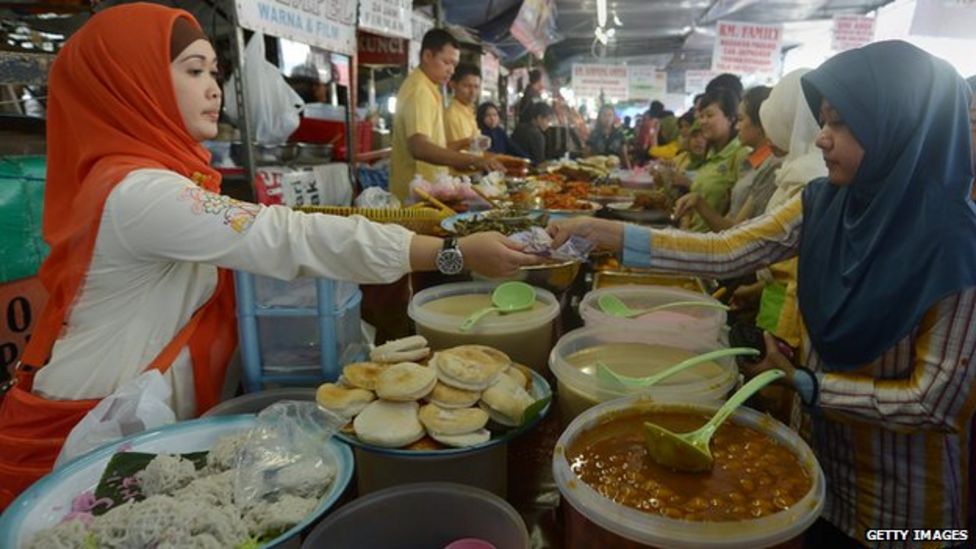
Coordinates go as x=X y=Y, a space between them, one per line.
x=431 y=515
x=524 y=336
x=764 y=490
x=635 y=353
x=704 y=320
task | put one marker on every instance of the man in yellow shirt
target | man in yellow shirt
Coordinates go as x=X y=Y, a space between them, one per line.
x=459 y=119
x=419 y=143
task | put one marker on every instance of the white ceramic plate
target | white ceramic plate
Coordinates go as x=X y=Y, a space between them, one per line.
x=46 y=502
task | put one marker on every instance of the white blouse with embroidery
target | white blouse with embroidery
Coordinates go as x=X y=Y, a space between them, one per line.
x=160 y=240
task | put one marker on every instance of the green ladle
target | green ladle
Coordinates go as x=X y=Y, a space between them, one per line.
x=690 y=451
x=509 y=297
x=606 y=375
x=611 y=305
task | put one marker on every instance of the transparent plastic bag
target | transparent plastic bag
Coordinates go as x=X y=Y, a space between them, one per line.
x=375 y=197
x=285 y=454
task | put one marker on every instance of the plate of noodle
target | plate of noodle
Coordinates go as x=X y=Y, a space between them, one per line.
x=186 y=499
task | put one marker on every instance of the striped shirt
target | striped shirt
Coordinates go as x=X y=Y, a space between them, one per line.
x=893 y=437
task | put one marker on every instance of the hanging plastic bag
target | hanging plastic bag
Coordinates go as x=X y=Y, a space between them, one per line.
x=273 y=105
x=138 y=405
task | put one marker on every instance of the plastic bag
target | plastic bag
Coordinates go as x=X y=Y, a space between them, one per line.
x=285 y=453
x=138 y=405
x=273 y=105
x=375 y=197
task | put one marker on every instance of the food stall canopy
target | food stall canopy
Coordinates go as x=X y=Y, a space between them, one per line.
x=641 y=28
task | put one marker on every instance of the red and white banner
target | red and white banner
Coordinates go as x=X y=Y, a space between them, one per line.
x=747 y=48
x=852 y=31
x=592 y=80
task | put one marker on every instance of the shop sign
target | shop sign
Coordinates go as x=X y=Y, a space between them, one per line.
x=420 y=24
x=381 y=50
x=592 y=80
x=489 y=74
x=695 y=80
x=645 y=82
x=386 y=17
x=328 y=24
x=21 y=303
x=852 y=31
x=747 y=48
x=944 y=18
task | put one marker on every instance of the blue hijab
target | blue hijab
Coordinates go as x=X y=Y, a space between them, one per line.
x=875 y=255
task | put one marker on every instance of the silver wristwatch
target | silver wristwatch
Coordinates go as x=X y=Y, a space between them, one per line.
x=449 y=260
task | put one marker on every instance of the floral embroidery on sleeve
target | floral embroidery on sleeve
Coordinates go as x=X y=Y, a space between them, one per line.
x=238 y=215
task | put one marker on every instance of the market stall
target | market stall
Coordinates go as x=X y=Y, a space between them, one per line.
x=632 y=384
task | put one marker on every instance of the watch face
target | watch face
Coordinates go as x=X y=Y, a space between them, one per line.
x=450 y=261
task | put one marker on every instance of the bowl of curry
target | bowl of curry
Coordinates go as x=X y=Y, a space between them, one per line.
x=764 y=490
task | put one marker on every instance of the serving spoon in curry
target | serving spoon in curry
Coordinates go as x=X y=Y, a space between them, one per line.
x=690 y=451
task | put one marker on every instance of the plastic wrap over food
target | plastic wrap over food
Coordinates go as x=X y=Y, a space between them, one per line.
x=445 y=188
x=375 y=197
x=285 y=454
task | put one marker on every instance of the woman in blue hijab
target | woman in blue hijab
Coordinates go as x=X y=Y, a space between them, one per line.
x=887 y=290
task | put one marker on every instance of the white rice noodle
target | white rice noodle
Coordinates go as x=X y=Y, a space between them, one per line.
x=165 y=474
x=223 y=455
x=67 y=535
x=279 y=515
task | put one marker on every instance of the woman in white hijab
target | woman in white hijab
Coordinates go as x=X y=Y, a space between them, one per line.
x=791 y=128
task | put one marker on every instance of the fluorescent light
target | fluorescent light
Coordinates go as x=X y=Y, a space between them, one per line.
x=601 y=12
x=391 y=104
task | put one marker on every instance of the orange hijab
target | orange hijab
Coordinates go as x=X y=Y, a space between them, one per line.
x=112 y=110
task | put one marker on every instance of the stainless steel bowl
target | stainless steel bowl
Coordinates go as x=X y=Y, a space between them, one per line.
x=314 y=152
x=555 y=277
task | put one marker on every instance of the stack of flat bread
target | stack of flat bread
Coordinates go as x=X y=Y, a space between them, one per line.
x=401 y=403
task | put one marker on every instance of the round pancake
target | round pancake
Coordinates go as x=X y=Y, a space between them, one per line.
x=389 y=424
x=362 y=374
x=401 y=350
x=405 y=381
x=461 y=441
x=437 y=420
x=469 y=367
x=506 y=401
x=446 y=396
x=518 y=376
x=344 y=401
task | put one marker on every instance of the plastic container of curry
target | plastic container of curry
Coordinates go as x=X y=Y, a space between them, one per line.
x=594 y=518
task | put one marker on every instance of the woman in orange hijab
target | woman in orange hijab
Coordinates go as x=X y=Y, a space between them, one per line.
x=140 y=238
